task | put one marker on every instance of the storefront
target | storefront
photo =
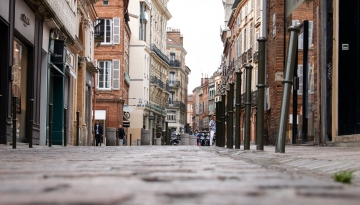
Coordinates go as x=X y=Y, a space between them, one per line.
x=21 y=41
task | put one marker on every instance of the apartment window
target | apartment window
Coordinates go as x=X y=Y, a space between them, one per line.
x=104 y=75
x=172 y=77
x=111 y=30
x=143 y=21
x=258 y=6
x=105 y=2
x=172 y=56
x=256 y=43
x=109 y=75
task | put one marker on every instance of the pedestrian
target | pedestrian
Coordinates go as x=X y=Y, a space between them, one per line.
x=98 y=131
x=196 y=133
x=121 y=134
x=212 y=126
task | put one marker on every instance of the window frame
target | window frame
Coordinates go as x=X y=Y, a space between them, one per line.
x=104 y=78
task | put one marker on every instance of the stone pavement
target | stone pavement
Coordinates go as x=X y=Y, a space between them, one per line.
x=157 y=175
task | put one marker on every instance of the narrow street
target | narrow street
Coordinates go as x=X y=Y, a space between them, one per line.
x=141 y=175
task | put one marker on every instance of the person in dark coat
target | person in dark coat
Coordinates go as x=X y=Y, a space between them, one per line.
x=98 y=131
x=121 y=134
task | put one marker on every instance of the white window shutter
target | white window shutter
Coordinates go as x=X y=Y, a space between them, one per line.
x=301 y=41
x=116 y=75
x=116 y=30
x=300 y=75
x=311 y=26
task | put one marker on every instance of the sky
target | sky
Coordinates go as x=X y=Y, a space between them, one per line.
x=199 y=22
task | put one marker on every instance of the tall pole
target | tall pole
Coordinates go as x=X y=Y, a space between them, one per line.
x=50 y=123
x=14 y=121
x=65 y=126
x=230 y=121
x=217 y=123
x=261 y=96
x=248 y=68
x=287 y=82
x=223 y=130
x=30 y=130
x=305 y=82
x=238 y=109
x=78 y=128
x=166 y=133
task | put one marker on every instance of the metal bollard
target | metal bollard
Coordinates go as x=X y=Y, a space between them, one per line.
x=31 y=122
x=261 y=96
x=14 y=120
x=77 y=128
x=65 y=126
x=230 y=110
x=222 y=113
x=167 y=133
x=50 y=123
x=217 y=123
x=287 y=82
x=248 y=68
x=238 y=109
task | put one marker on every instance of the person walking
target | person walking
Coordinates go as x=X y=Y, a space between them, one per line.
x=212 y=126
x=196 y=133
x=121 y=134
x=98 y=130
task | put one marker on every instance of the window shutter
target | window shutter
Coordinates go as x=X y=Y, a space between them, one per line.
x=311 y=26
x=116 y=30
x=116 y=75
x=300 y=75
x=301 y=41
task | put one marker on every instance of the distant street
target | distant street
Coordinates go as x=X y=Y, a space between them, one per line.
x=185 y=175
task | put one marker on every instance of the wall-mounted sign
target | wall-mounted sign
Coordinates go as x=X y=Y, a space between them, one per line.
x=140 y=102
x=25 y=19
x=152 y=117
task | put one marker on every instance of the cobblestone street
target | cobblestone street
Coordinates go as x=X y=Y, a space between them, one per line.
x=161 y=175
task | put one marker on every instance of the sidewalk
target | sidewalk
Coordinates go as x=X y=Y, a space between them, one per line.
x=169 y=175
x=313 y=160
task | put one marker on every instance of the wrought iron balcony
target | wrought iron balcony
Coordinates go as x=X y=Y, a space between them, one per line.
x=167 y=87
x=256 y=56
x=243 y=58
x=160 y=84
x=254 y=97
x=160 y=54
x=156 y=108
x=249 y=52
x=175 y=63
x=154 y=80
x=173 y=104
x=173 y=83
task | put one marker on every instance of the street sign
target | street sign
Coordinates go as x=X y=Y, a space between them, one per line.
x=126 y=108
x=151 y=117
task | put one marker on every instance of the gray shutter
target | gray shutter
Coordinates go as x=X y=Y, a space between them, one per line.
x=116 y=30
x=116 y=75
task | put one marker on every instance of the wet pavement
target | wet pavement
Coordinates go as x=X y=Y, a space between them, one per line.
x=168 y=175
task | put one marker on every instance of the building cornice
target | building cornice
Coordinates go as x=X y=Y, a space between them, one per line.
x=163 y=9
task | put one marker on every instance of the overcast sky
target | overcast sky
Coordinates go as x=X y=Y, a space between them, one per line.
x=199 y=21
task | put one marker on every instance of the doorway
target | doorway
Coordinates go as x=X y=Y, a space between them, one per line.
x=20 y=62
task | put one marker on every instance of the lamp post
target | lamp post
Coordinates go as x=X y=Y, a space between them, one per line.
x=247 y=107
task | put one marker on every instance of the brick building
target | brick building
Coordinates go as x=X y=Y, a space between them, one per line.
x=112 y=56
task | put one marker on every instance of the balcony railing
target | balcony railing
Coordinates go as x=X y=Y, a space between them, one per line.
x=160 y=54
x=175 y=63
x=243 y=58
x=176 y=104
x=156 y=108
x=173 y=83
x=249 y=54
x=256 y=56
x=160 y=84
x=167 y=87
x=154 y=80
x=254 y=97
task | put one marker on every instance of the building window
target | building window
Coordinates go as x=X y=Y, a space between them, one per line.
x=110 y=28
x=172 y=56
x=105 y=2
x=104 y=75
